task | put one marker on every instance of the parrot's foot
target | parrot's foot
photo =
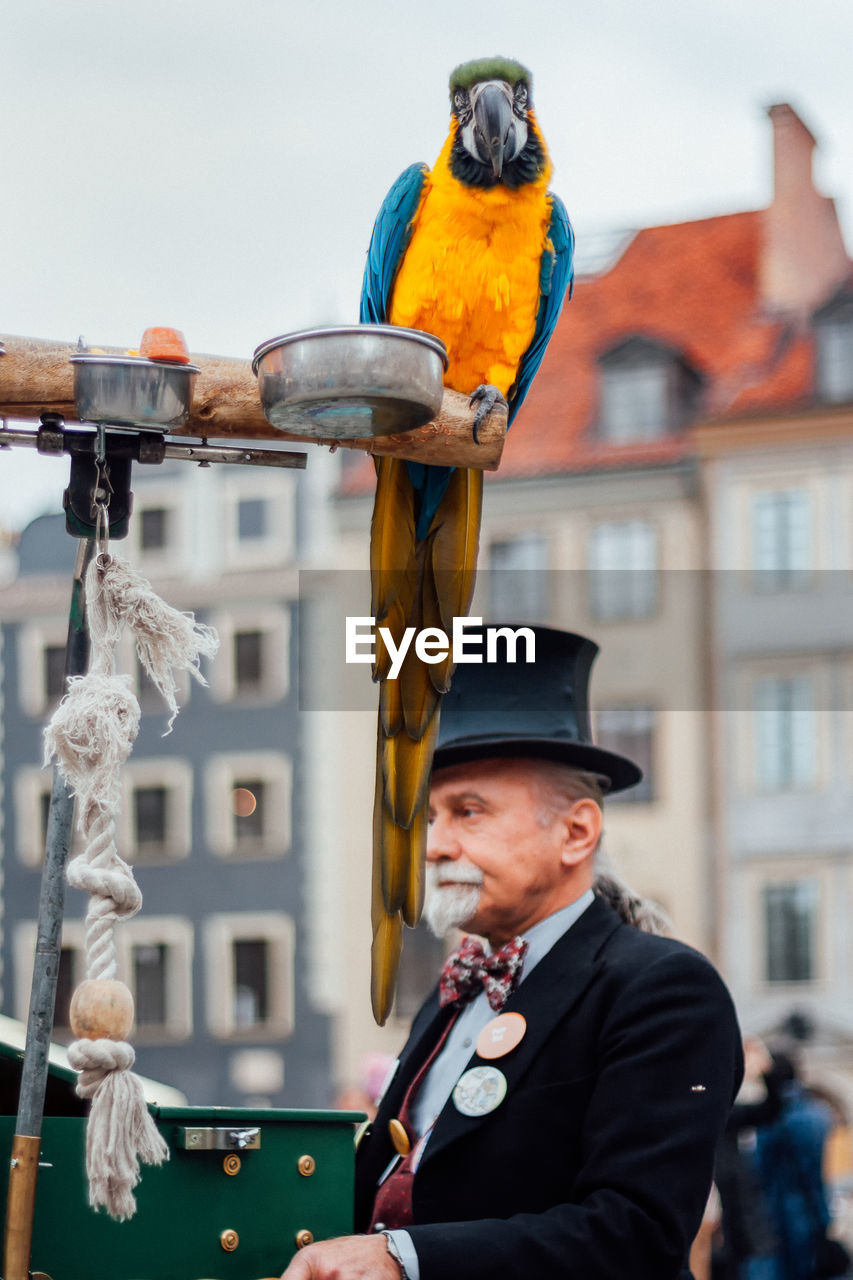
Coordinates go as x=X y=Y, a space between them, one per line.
x=488 y=396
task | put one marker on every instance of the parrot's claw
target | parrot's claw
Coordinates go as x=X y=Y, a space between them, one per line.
x=488 y=396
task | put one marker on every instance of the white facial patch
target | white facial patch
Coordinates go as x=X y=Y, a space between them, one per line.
x=516 y=139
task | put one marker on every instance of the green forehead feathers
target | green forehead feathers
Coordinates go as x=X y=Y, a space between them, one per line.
x=471 y=73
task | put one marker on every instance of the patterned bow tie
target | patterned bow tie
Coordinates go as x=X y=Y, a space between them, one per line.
x=469 y=969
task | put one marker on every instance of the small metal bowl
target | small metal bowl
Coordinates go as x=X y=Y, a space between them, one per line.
x=348 y=382
x=132 y=391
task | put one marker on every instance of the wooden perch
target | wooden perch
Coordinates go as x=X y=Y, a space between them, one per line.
x=36 y=375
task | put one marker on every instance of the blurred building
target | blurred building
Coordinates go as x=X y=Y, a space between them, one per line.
x=777 y=480
x=214 y=815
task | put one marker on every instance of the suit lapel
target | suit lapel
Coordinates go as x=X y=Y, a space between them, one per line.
x=546 y=997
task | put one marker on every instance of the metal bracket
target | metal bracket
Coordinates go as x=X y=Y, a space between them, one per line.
x=120 y=450
x=208 y=1139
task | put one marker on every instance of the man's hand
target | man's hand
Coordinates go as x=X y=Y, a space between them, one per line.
x=347 y=1258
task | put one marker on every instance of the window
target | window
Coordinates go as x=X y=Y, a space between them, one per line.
x=248 y=661
x=254 y=655
x=630 y=731
x=781 y=539
x=835 y=361
x=53 y=656
x=160 y=528
x=834 y=343
x=41 y=665
x=647 y=391
x=623 y=580
x=155 y=818
x=252 y=519
x=44 y=815
x=785 y=733
x=248 y=804
x=258 y=517
x=633 y=403
x=250 y=974
x=66 y=981
x=251 y=960
x=518 y=579
x=72 y=970
x=149 y=981
x=155 y=960
x=150 y=817
x=790 y=931
x=32 y=804
x=153 y=528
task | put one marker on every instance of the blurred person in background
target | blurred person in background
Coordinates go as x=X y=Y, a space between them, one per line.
x=748 y=1246
x=790 y=1165
x=373 y=1070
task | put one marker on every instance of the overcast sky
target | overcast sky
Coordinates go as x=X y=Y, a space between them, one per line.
x=216 y=165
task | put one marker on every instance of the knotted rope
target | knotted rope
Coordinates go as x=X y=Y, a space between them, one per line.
x=90 y=736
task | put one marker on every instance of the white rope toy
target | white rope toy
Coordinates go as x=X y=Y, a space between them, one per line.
x=90 y=736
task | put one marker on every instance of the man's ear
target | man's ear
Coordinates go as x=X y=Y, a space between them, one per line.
x=583 y=832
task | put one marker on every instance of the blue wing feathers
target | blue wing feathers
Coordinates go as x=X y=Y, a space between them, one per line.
x=392 y=232
x=555 y=279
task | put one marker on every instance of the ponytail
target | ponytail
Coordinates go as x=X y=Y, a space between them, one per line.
x=643 y=913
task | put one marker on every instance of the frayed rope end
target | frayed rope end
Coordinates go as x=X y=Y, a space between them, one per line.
x=121 y=1132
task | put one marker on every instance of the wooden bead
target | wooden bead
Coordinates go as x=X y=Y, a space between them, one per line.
x=101 y=1008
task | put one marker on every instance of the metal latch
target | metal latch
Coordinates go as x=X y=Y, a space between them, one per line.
x=192 y=1139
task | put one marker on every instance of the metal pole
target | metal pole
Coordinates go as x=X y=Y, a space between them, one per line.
x=23 y=1172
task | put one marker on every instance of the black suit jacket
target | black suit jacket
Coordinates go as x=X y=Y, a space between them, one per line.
x=598 y=1163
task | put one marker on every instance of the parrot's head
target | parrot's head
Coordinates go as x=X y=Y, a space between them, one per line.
x=496 y=139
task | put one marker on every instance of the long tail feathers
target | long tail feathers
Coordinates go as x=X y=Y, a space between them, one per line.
x=384 y=960
x=406 y=765
x=455 y=544
x=413 y=903
x=414 y=584
x=393 y=569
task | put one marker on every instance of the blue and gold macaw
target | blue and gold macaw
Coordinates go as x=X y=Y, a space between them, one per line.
x=477 y=251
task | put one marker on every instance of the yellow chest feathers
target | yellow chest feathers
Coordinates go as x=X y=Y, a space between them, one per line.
x=470 y=274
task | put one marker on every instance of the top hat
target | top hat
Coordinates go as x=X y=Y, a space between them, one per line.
x=537 y=709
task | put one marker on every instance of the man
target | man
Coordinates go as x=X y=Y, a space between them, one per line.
x=573 y=1134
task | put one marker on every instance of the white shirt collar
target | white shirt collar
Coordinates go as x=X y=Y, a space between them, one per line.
x=541 y=937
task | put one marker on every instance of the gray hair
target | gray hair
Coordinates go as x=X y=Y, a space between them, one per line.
x=561 y=786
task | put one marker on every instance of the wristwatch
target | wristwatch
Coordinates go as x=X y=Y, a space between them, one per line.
x=395 y=1253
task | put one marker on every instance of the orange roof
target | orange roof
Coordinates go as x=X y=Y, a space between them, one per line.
x=693 y=286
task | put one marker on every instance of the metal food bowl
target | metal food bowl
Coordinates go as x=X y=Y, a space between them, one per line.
x=348 y=382
x=131 y=391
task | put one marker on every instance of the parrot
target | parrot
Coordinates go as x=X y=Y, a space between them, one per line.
x=478 y=252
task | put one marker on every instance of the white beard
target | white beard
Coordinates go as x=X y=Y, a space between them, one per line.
x=450 y=906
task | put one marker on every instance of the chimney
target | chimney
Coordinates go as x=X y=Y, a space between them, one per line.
x=803 y=257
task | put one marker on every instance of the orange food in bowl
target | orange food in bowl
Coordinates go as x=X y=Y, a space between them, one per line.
x=164 y=344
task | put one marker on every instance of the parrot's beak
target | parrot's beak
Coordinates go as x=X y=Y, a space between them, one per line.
x=493 y=120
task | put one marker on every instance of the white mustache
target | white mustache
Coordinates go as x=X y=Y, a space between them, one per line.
x=452 y=874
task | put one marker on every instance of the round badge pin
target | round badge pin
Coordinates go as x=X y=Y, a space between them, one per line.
x=500 y=1036
x=479 y=1091
x=399 y=1137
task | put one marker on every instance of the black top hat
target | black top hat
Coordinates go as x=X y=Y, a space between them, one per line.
x=536 y=708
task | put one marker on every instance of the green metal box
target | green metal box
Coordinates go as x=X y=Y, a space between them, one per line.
x=217 y=1210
